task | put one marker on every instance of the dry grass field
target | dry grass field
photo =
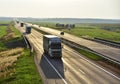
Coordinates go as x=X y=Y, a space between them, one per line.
x=8 y=57
x=8 y=60
x=15 y=58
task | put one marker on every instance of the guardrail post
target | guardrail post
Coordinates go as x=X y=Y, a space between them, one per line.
x=31 y=50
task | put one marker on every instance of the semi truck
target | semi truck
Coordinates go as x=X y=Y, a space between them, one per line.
x=52 y=46
x=28 y=29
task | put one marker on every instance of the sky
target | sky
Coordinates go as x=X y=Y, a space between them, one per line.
x=103 y=9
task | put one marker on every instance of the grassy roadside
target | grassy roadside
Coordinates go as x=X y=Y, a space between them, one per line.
x=21 y=69
x=15 y=30
x=3 y=29
x=4 y=22
x=2 y=33
x=88 y=54
x=25 y=71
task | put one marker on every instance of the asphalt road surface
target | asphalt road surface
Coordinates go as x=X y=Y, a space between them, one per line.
x=105 y=50
x=71 y=69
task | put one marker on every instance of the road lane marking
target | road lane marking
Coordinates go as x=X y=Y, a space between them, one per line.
x=55 y=70
x=80 y=75
x=96 y=65
x=81 y=71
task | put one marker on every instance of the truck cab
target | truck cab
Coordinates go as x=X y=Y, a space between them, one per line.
x=52 y=46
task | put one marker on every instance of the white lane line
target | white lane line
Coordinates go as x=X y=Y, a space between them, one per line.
x=81 y=71
x=96 y=66
x=80 y=75
x=55 y=70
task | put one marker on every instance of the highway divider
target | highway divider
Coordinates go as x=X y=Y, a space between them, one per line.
x=104 y=41
x=75 y=45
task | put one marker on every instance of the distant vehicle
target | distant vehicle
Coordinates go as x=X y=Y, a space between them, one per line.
x=62 y=33
x=52 y=46
x=17 y=22
x=65 y=25
x=28 y=29
x=21 y=24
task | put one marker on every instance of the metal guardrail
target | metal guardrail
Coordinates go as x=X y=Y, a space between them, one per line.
x=72 y=44
x=87 y=49
x=106 y=42
x=26 y=40
x=111 y=43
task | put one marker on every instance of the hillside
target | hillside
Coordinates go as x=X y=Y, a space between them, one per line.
x=71 y=20
x=64 y=20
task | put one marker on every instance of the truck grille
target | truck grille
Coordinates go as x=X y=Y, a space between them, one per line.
x=56 y=53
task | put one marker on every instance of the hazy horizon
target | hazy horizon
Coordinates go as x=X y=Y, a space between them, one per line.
x=54 y=18
x=91 y=9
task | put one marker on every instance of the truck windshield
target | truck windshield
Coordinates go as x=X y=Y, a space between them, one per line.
x=55 y=45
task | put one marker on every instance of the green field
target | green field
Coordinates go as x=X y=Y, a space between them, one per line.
x=2 y=33
x=2 y=30
x=94 y=32
x=89 y=54
x=105 y=31
x=4 y=22
x=22 y=71
x=17 y=33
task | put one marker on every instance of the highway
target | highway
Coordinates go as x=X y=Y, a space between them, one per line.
x=73 y=68
x=105 y=50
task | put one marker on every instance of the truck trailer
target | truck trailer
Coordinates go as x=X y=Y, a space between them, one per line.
x=52 y=46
